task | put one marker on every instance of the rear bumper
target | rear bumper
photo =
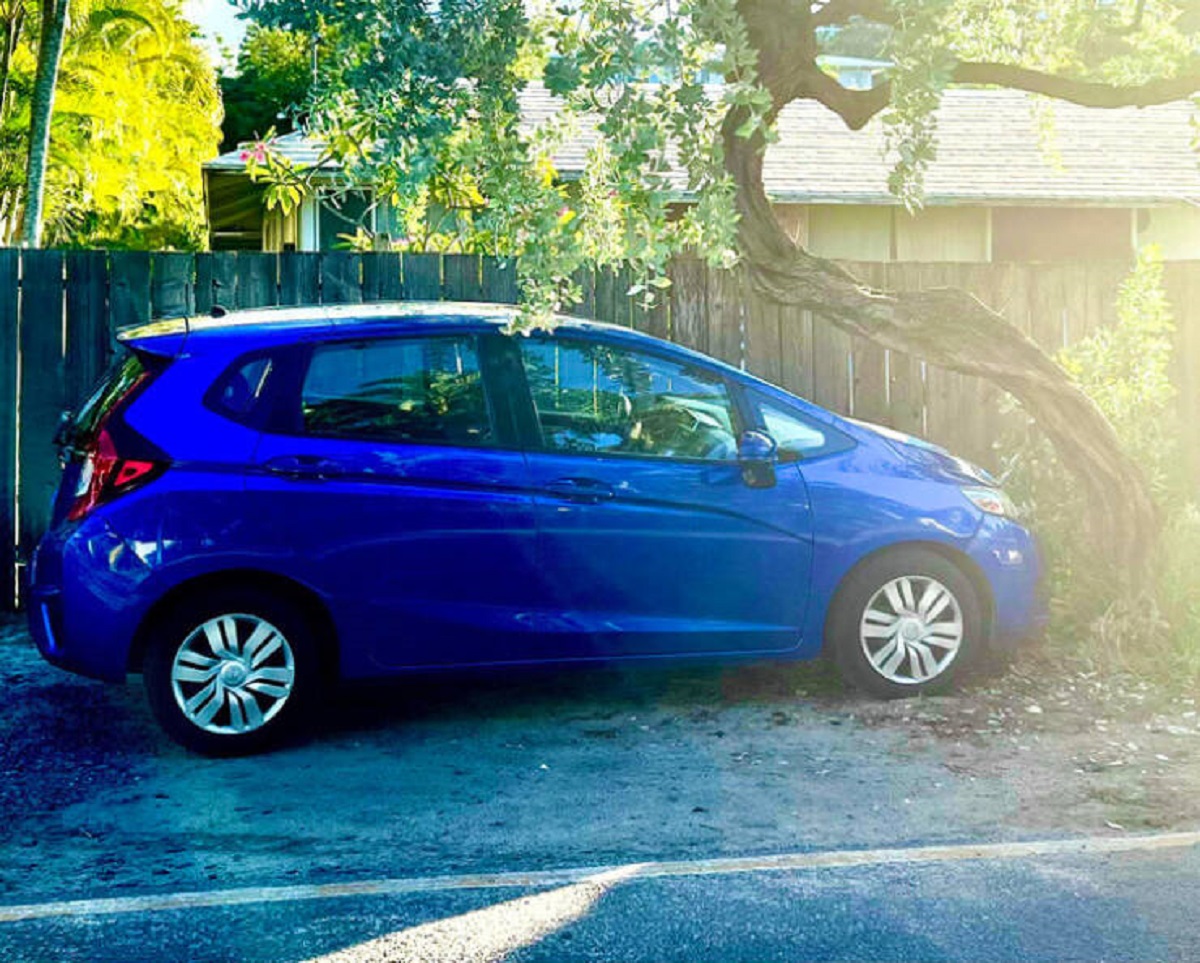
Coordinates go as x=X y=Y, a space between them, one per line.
x=81 y=619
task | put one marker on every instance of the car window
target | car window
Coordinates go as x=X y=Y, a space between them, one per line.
x=411 y=391
x=242 y=391
x=796 y=435
x=598 y=399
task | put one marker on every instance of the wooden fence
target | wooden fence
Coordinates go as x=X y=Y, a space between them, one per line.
x=59 y=310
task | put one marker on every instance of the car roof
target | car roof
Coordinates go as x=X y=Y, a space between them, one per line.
x=254 y=328
x=282 y=324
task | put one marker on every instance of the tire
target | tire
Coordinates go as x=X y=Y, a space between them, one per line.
x=231 y=672
x=905 y=623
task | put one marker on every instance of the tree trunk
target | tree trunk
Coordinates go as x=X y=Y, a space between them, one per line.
x=954 y=330
x=50 y=47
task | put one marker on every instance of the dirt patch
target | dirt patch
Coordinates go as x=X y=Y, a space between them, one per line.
x=1081 y=750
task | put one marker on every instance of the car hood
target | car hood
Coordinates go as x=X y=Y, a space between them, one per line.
x=930 y=459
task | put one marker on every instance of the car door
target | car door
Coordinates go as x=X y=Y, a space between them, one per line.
x=405 y=500
x=650 y=538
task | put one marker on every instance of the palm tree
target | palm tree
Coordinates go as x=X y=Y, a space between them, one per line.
x=50 y=48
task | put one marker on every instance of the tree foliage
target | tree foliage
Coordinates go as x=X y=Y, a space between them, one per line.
x=270 y=86
x=136 y=113
x=411 y=89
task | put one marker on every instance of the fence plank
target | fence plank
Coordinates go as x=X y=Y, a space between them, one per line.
x=256 y=280
x=796 y=351
x=9 y=334
x=204 y=292
x=585 y=277
x=608 y=295
x=89 y=341
x=128 y=289
x=224 y=280
x=725 y=330
x=689 y=303
x=461 y=280
x=500 y=280
x=300 y=278
x=42 y=390
x=1182 y=282
x=655 y=320
x=381 y=276
x=341 y=277
x=172 y=292
x=422 y=277
x=831 y=366
x=906 y=407
x=762 y=338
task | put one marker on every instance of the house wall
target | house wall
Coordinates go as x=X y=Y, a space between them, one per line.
x=943 y=234
x=886 y=233
x=850 y=232
x=1062 y=233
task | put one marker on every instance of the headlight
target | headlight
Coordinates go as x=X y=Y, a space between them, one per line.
x=991 y=500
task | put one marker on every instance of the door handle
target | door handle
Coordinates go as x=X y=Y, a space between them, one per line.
x=587 y=490
x=306 y=467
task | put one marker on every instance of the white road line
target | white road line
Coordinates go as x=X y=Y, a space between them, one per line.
x=830 y=859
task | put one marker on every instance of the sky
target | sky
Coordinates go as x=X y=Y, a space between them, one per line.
x=216 y=18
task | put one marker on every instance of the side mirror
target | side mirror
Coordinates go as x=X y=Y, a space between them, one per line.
x=757 y=454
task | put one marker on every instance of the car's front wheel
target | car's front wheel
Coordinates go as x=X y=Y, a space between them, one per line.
x=905 y=623
x=230 y=672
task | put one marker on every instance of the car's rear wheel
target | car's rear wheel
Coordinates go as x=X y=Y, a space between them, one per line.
x=231 y=672
x=905 y=623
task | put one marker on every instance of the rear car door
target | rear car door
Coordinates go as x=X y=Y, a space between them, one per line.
x=397 y=481
x=650 y=539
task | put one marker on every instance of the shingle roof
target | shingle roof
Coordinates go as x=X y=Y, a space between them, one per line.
x=994 y=148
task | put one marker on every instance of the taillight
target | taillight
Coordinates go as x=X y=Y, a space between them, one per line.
x=116 y=460
x=105 y=475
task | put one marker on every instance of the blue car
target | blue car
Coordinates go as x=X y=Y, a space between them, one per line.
x=256 y=505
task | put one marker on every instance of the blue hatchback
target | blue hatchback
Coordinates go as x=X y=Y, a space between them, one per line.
x=258 y=504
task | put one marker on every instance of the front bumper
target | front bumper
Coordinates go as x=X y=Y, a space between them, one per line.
x=1009 y=557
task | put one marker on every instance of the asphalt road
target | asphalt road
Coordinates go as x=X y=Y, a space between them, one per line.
x=426 y=785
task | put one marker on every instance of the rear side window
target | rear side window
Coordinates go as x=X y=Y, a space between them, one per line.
x=405 y=391
x=121 y=377
x=242 y=392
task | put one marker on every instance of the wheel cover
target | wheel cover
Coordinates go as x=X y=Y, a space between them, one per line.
x=911 y=630
x=233 y=674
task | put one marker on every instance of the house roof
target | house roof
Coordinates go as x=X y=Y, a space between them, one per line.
x=995 y=147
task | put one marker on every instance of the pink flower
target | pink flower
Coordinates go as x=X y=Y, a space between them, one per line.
x=564 y=211
x=244 y=155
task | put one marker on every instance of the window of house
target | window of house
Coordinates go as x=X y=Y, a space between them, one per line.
x=405 y=391
x=598 y=399
x=341 y=214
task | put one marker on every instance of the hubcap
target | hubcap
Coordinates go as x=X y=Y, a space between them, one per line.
x=233 y=674
x=911 y=629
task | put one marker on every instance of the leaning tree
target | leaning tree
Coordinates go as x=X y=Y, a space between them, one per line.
x=411 y=91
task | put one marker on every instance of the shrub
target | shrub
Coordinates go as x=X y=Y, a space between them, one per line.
x=1125 y=369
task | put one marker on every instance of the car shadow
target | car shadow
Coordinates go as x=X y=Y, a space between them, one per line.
x=582 y=692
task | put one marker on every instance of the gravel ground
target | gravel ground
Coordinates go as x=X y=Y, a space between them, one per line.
x=581 y=768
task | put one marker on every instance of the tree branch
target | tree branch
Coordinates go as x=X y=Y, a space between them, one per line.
x=855 y=107
x=1086 y=93
x=836 y=12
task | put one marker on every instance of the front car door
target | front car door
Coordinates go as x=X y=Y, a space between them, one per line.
x=651 y=542
x=404 y=497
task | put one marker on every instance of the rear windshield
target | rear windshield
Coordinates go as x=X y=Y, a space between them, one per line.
x=115 y=384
